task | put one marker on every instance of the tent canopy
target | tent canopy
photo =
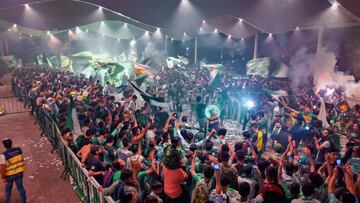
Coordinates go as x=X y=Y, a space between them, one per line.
x=175 y=17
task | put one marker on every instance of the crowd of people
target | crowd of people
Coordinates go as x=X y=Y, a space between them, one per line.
x=162 y=159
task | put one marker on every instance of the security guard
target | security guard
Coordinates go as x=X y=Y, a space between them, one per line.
x=12 y=169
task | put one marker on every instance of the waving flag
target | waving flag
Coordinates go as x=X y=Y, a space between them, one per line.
x=154 y=101
x=276 y=94
x=72 y=120
x=214 y=70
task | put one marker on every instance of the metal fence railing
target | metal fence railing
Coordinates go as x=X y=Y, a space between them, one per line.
x=86 y=187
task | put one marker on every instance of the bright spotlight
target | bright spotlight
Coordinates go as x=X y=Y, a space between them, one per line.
x=204 y=21
x=132 y=42
x=240 y=19
x=86 y=30
x=297 y=28
x=172 y=39
x=30 y=35
x=100 y=8
x=250 y=104
x=125 y=24
x=270 y=34
x=216 y=30
x=147 y=32
x=102 y=22
x=48 y=32
x=242 y=38
x=15 y=25
x=229 y=36
x=118 y=39
x=157 y=29
x=184 y=33
x=187 y=48
x=9 y=30
x=26 y=5
x=334 y=5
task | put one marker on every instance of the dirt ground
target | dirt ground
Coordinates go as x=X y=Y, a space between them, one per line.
x=43 y=170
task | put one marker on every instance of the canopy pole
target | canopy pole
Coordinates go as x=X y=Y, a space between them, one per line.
x=166 y=45
x=320 y=39
x=1 y=46
x=196 y=50
x=256 y=41
x=6 y=46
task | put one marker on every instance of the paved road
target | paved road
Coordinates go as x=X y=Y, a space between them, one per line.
x=43 y=169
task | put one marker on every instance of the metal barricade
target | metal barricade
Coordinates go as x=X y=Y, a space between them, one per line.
x=85 y=187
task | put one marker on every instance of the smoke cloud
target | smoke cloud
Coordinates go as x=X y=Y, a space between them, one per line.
x=155 y=58
x=301 y=68
x=321 y=68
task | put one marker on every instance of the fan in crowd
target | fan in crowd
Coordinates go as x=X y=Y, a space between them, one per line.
x=284 y=155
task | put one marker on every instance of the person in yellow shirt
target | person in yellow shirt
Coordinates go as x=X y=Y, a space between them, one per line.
x=12 y=167
x=258 y=135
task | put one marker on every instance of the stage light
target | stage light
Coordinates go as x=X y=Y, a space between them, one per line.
x=172 y=39
x=157 y=29
x=307 y=128
x=216 y=30
x=125 y=24
x=204 y=21
x=297 y=28
x=118 y=39
x=102 y=22
x=132 y=42
x=9 y=30
x=183 y=41
x=184 y=33
x=86 y=30
x=242 y=38
x=250 y=104
x=30 y=35
x=100 y=8
x=187 y=48
x=15 y=25
x=48 y=32
x=26 y=5
x=147 y=32
x=229 y=36
x=270 y=34
x=240 y=19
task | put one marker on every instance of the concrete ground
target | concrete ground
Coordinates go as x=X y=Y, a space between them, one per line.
x=43 y=170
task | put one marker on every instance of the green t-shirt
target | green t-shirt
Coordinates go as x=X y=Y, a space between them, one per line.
x=116 y=176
